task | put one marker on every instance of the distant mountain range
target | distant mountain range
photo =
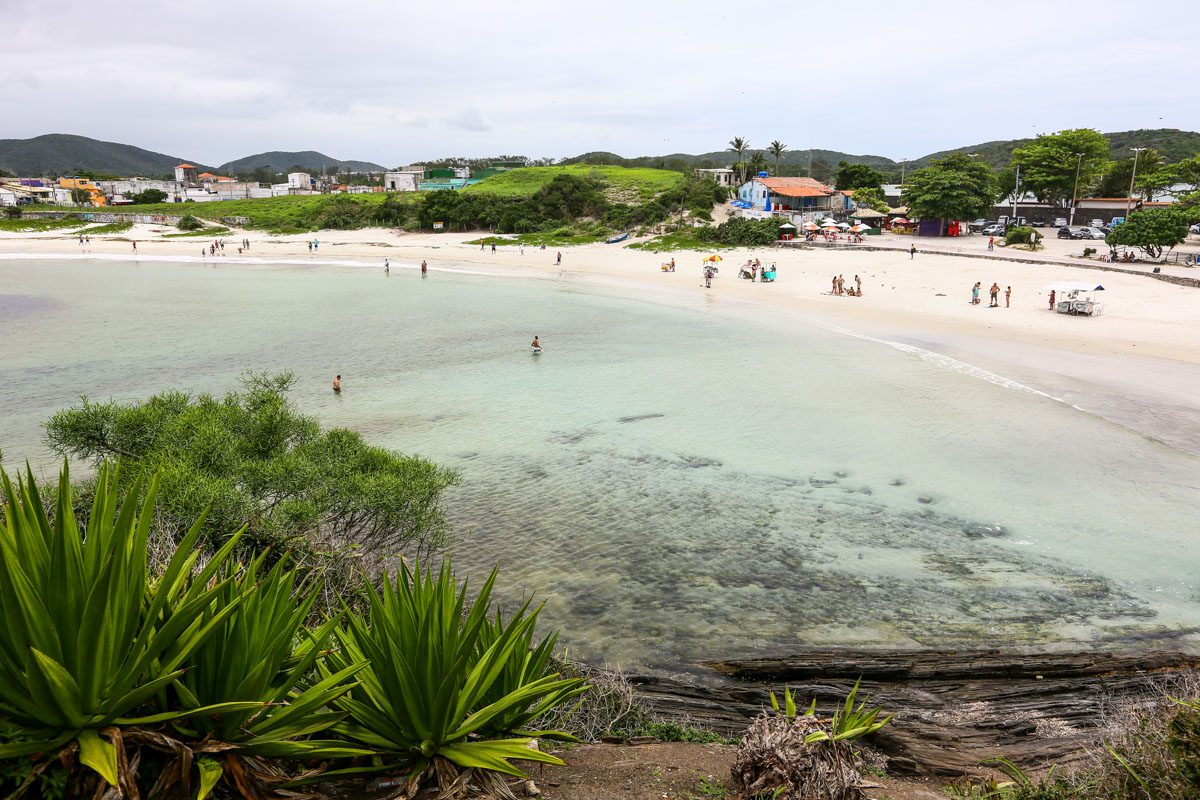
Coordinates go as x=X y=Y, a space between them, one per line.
x=282 y=161
x=63 y=153
x=1172 y=144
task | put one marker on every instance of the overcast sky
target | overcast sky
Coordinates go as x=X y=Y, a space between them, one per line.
x=399 y=82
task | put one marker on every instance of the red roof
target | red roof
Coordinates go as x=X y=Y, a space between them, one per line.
x=186 y=166
x=796 y=187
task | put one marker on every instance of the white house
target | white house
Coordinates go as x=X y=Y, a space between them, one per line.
x=299 y=180
x=723 y=177
x=403 y=180
x=793 y=195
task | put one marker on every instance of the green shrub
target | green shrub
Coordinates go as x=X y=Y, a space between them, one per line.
x=189 y=223
x=1021 y=234
x=12 y=212
x=1088 y=252
x=441 y=674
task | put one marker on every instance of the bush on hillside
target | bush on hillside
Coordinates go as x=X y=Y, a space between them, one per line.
x=742 y=232
x=189 y=223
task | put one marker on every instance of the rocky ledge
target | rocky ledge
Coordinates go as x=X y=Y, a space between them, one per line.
x=953 y=709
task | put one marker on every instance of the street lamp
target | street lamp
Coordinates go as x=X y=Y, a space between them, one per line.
x=1128 y=200
x=903 y=164
x=1075 y=191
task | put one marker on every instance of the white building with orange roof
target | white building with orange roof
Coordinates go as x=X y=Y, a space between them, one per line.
x=186 y=173
x=788 y=196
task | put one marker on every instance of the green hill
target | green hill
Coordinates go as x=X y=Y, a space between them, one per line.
x=284 y=161
x=55 y=154
x=623 y=184
x=1173 y=144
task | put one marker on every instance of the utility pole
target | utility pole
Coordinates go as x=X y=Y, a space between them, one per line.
x=1137 y=151
x=1016 y=192
x=1075 y=191
x=903 y=164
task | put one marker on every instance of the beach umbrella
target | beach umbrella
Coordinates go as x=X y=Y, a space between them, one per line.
x=832 y=229
x=900 y=221
x=842 y=224
x=788 y=225
x=811 y=226
x=860 y=227
x=714 y=257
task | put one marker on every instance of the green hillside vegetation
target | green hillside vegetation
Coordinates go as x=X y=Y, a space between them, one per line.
x=628 y=185
x=284 y=161
x=63 y=154
x=288 y=214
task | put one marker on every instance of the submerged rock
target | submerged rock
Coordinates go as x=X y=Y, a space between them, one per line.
x=977 y=530
x=639 y=418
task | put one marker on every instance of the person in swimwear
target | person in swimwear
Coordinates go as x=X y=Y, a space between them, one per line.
x=337 y=384
x=536 y=344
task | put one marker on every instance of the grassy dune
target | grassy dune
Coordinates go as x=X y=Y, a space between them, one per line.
x=632 y=184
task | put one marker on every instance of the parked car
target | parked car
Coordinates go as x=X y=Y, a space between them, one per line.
x=1060 y=222
x=1038 y=223
x=1066 y=232
x=1091 y=233
x=1195 y=228
x=993 y=230
x=977 y=225
x=1096 y=223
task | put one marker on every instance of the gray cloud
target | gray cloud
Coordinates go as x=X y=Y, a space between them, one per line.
x=397 y=83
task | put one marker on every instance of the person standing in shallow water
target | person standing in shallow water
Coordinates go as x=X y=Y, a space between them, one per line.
x=337 y=384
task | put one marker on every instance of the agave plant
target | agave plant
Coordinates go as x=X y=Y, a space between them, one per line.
x=88 y=639
x=446 y=692
x=787 y=754
x=261 y=653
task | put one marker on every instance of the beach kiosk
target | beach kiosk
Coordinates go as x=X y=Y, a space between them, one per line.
x=1077 y=298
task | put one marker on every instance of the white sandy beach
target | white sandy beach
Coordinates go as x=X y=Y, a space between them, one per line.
x=1141 y=354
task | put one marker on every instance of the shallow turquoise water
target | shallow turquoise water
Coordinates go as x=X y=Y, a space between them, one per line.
x=680 y=477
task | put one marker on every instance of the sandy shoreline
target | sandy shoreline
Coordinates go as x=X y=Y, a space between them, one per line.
x=1138 y=364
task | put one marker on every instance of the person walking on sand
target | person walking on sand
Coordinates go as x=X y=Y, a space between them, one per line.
x=975 y=294
x=310 y=246
x=912 y=252
x=1051 y=299
x=1007 y=296
x=995 y=294
x=558 y=260
x=708 y=274
x=858 y=285
x=522 y=249
x=493 y=247
x=337 y=384
x=991 y=243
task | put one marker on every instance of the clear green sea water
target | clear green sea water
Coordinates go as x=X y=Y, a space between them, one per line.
x=678 y=477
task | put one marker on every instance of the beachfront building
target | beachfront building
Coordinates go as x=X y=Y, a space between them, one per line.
x=404 y=180
x=1104 y=209
x=723 y=177
x=186 y=173
x=800 y=198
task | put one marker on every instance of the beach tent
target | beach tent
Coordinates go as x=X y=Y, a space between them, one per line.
x=787 y=225
x=1074 y=286
x=867 y=213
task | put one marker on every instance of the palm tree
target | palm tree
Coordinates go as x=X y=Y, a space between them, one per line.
x=757 y=161
x=739 y=145
x=777 y=147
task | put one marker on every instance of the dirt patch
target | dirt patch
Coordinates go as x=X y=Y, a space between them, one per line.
x=676 y=771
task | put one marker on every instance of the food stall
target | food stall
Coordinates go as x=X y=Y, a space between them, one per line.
x=1077 y=298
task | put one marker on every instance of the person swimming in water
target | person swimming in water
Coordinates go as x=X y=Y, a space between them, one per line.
x=337 y=384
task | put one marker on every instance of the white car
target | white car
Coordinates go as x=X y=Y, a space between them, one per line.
x=1195 y=228
x=1097 y=223
x=1091 y=233
x=1060 y=222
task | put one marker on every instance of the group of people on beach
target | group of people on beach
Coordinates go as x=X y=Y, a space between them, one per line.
x=994 y=294
x=840 y=289
x=753 y=268
x=387 y=268
x=314 y=245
